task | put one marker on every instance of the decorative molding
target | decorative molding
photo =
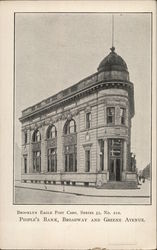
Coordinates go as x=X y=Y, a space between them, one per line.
x=25 y=128
x=24 y=152
x=52 y=143
x=70 y=139
x=87 y=146
x=47 y=122
x=36 y=146
x=101 y=84
x=64 y=116
x=87 y=136
x=75 y=112
x=88 y=108
x=51 y=120
x=69 y=116
x=43 y=123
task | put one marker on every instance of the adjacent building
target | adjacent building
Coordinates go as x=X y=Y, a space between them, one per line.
x=82 y=135
x=146 y=172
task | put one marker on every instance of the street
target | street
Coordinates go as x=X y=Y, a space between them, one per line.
x=34 y=195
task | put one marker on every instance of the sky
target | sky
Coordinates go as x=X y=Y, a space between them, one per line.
x=56 y=50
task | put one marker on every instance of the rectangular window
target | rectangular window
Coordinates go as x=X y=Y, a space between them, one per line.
x=122 y=115
x=25 y=164
x=111 y=115
x=87 y=160
x=75 y=162
x=66 y=163
x=25 y=137
x=88 y=120
x=115 y=147
x=36 y=161
x=52 y=160
x=70 y=162
x=116 y=142
x=70 y=158
x=115 y=152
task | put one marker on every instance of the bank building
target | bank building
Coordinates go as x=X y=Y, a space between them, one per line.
x=82 y=135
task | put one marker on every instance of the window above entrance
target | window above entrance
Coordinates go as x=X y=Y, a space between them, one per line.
x=110 y=115
x=115 y=147
x=116 y=115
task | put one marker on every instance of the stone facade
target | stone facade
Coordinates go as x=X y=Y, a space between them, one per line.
x=81 y=136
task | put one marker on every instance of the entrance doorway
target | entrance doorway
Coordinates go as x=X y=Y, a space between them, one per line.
x=115 y=169
x=115 y=159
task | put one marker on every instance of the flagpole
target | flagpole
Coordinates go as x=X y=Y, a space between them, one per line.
x=112 y=30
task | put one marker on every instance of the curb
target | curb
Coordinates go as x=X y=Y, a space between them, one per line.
x=80 y=194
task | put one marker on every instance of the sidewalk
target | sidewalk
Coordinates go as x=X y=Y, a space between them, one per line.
x=142 y=191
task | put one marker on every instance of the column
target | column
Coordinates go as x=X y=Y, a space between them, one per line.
x=105 y=155
x=98 y=154
x=125 y=152
x=105 y=113
x=77 y=119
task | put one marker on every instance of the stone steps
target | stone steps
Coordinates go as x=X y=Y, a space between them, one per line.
x=119 y=185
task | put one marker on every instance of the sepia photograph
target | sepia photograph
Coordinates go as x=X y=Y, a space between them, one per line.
x=82 y=108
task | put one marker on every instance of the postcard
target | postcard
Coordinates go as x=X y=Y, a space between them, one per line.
x=78 y=127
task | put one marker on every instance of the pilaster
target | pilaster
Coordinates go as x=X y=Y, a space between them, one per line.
x=78 y=141
x=99 y=155
x=105 y=155
x=125 y=152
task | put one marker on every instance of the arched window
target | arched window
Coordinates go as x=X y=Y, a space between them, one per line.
x=52 y=149
x=51 y=132
x=36 y=151
x=70 y=127
x=36 y=136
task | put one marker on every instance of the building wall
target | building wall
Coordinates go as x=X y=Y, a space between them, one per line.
x=97 y=104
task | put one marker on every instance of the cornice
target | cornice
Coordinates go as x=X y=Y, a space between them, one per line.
x=87 y=106
x=86 y=91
